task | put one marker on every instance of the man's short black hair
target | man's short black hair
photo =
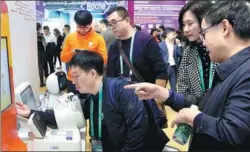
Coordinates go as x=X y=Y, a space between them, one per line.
x=153 y=30
x=83 y=17
x=104 y=21
x=67 y=26
x=198 y=8
x=162 y=27
x=237 y=13
x=57 y=31
x=38 y=26
x=46 y=28
x=167 y=31
x=88 y=60
x=122 y=12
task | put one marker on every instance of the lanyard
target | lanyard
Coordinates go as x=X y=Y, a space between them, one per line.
x=211 y=76
x=99 y=115
x=130 y=56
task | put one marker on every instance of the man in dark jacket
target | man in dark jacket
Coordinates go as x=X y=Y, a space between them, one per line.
x=128 y=124
x=222 y=122
x=172 y=52
x=140 y=49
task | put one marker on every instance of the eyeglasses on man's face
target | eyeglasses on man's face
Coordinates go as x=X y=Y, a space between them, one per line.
x=114 y=24
x=203 y=33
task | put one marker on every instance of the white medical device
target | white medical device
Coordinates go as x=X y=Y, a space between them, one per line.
x=24 y=94
x=70 y=121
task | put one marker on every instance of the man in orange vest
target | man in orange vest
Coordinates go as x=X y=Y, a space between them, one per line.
x=85 y=38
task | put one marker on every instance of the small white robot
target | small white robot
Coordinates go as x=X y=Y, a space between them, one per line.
x=56 y=84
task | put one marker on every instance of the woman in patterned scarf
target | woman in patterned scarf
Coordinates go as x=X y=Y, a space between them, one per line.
x=196 y=71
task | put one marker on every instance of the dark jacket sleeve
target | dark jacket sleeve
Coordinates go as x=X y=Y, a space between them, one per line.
x=136 y=119
x=175 y=100
x=233 y=127
x=155 y=59
x=163 y=52
x=158 y=114
x=178 y=101
x=49 y=119
x=179 y=51
x=47 y=116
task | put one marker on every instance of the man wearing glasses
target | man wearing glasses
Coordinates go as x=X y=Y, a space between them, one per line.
x=140 y=48
x=222 y=122
x=85 y=38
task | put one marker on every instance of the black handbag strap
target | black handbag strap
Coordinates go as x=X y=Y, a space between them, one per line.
x=156 y=133
x=128 y=63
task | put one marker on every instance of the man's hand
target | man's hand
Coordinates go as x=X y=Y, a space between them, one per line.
x=22 y=109
x=149 y=91
x=185 y=115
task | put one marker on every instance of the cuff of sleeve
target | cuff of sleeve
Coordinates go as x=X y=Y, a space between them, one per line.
x=169 y=100
x=31 y=112
x=175 y=99
x=198 y=124
x=162 y=76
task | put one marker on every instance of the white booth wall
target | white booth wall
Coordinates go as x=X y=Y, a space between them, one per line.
x=22 y=21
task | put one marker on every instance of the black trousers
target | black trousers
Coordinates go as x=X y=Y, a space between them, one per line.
x=50 y=62
x=57 y=55
x=50 y=50
x=42 y=65
x=59 y=59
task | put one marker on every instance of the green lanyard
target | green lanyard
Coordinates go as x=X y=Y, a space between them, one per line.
x=130 y=56
x=100 y=115
x=202 y=75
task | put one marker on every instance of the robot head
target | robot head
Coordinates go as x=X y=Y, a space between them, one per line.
x=56 y=82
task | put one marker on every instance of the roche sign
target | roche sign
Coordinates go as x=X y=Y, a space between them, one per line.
x=97 y=7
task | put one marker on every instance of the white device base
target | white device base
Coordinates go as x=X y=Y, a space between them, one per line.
x=58 y=142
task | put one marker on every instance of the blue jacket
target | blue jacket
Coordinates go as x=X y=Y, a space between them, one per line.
x=177 y=52
x=224 y=124
x=127 y=124
x=126 y=118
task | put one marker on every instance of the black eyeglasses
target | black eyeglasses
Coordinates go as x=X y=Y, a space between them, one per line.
x=114 y=24
x=203 y=32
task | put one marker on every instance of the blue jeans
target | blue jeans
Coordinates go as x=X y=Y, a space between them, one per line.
x=172 y=73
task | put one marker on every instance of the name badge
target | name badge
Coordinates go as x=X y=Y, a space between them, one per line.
x=96 y=145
